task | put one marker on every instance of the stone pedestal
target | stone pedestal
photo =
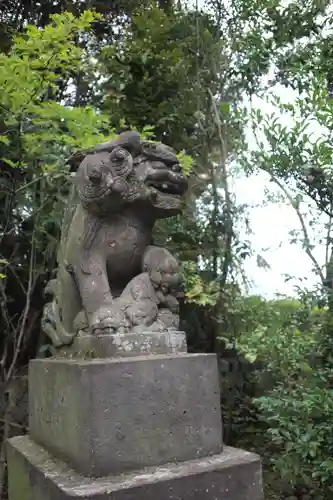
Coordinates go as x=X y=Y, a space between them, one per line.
x=112 y=415
x=144 y=426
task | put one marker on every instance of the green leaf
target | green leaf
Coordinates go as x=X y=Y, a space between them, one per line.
x=4 y=140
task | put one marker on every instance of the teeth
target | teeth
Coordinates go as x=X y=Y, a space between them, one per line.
x=164 y=186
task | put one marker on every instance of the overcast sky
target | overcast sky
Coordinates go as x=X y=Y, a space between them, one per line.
x=270 y=239
x=271 y=226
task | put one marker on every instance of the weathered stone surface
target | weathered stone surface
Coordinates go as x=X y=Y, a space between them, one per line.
x=232 y=475
x=124 y=345
x=107 y=416
x=109 y=276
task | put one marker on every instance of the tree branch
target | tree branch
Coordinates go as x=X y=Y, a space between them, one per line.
x=19 y=341
x=229 y=222
x=306 y=238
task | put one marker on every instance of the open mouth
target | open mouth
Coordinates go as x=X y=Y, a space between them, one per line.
x=167 y=180
x=167 y=187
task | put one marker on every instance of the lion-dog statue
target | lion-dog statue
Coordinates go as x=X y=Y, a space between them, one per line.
x=109 y=277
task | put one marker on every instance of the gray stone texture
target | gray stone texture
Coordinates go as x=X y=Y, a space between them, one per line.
x=109 y=276
x=232 y=475
x=124 y=345
x=116 y=415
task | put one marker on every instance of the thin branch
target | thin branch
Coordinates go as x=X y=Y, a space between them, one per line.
x=28 y=184
x=328 y=241
x=3 y=458
x=3 y=306
x=306 y=238
x=25 y=314
x=229 y=222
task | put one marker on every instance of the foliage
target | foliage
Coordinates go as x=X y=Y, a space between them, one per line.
x=186 y=162
x=37 y=134
x=252 y=312
x=152 y=73
x=198 y=290
x=169 y=69
x=31 y=115
x=285 y=338
x=16 y=14
x=292 y=353
x=294 y=142
x=178 y=75
x=271 y=38
x=295 y=403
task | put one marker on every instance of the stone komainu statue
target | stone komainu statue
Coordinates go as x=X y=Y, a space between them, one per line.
x=110 y=278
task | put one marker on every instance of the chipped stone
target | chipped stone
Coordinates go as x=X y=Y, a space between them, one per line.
x=124 y=345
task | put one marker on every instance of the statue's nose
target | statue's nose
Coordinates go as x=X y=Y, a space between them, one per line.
x=95 y=176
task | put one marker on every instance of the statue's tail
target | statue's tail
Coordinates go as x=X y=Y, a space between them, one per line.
x=51 y=322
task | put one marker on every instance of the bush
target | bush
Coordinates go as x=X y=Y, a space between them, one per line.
x=297 y=402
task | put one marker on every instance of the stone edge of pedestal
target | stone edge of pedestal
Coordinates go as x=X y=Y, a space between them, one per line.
x=116 y=360
x=75 y=485
x=124 y=345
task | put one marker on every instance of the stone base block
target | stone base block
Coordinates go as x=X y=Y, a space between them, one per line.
x=124 y=345
x=232 y=475
x=113 y=415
